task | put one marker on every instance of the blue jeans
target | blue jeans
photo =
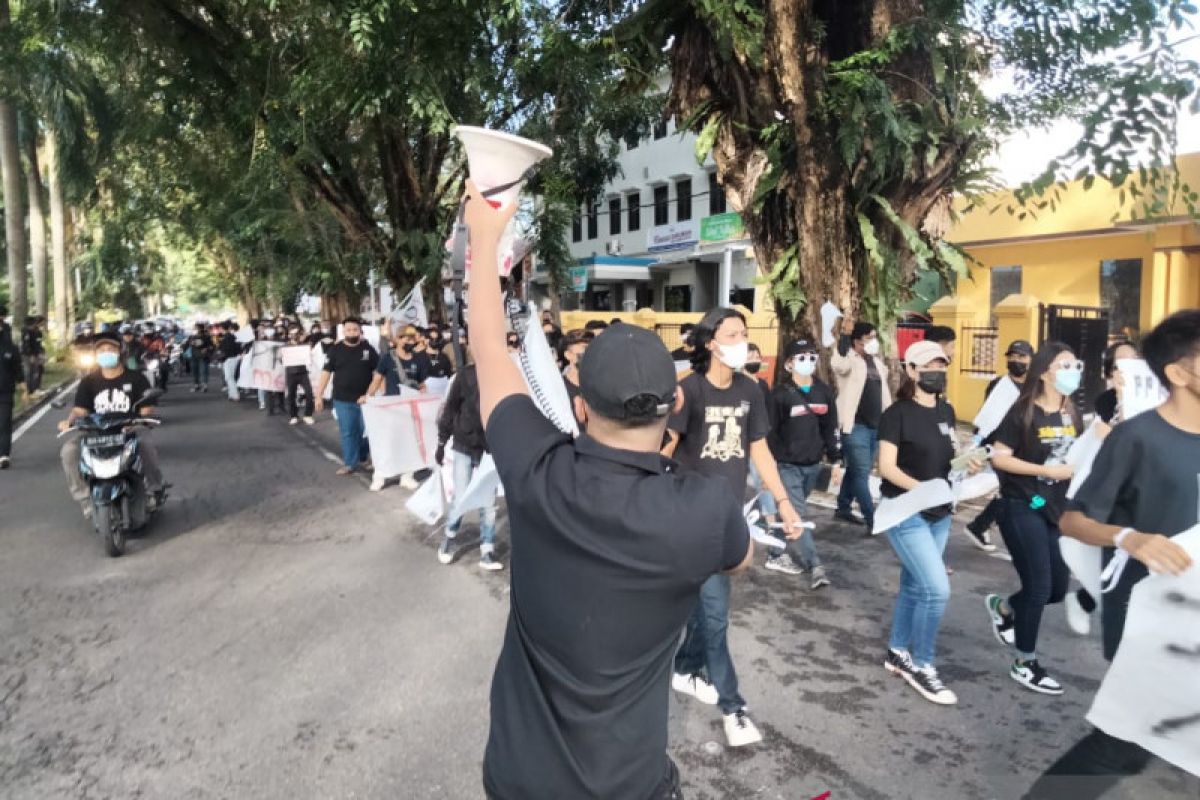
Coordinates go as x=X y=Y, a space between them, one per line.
x=464 y=468
x=765 y=501
x=800 y=480
x=860 y=448
x=199 y=371
x=924 y=587
x=705 y=647
x=350 y=424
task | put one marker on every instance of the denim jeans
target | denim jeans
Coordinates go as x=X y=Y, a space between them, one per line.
x=1033 y=544
x=765 y=501
x=860 y=448
x=705 y=647
x=350 y=424
x=199 y=371
x=229 y=368
x=799 y=480
x=1097 y=763
x=924 y=587
x=464 y=469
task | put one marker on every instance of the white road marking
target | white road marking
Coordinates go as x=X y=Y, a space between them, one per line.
x=41 y=412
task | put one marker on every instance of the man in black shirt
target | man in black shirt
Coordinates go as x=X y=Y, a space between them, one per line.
x=684 y=353
x=200 y=346
x=109 y=389
x=351 y=364
x=609 y=547
x=34 y=353
x=12 y=377
x=230 y=351
x=1144 y=488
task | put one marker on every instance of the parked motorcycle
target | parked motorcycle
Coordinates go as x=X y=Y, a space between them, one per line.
x=110 y=461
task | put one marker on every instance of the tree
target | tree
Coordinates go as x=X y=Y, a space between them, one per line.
x=14 y=208
x=37 y=218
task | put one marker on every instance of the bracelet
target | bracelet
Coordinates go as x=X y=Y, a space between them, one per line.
x=1120 y=537
x=786 y=499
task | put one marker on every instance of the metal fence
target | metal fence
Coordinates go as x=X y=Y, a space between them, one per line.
x=765 y=336
x=978 y=351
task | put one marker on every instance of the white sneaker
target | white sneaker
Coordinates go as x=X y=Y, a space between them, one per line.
x=377 y=484
x=1078 y=620
x=293 y=421
x=696 y=686
x=407 y=481
x=783 y=563
x=739 y=730
x=309 y=421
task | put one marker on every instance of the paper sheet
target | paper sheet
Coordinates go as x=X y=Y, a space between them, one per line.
x=682 y=367
x=427 y=502
x=438 y=386
x=402 y=432
x=539 y=367
x=1150 y=695
x=1142 y=390
x=997 y=406
x=1082 y=455
x=977 y=485
x=1084 y=562
x=296 y=355
x=927 y=494
x=481 y=491
x=829 y=315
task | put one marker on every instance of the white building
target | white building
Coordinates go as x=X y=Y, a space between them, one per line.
x=661 y=237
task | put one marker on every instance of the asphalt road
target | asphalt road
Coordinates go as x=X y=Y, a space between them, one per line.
x=284 y=633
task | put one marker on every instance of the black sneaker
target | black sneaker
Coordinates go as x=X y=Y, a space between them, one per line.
x=1002 y=623
x=849 y=516
x=980 y=538
x=898 y=662
x=1031 y=675
x=926 y=681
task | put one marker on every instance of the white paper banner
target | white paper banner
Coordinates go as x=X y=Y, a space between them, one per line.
x=1151 y=694
x=830 y=314
x=1142 y=390
x=428 y=502
x=261 y=368
x=1084 y=562
x=1082 y=455
x=540 y=369
x=682 y=367
x=297 y=356
x=997 y=406
x=976 y=485
x=481 y=491
x=437 y=386
x=402 y=432
x=925 y=495
x=369 y=332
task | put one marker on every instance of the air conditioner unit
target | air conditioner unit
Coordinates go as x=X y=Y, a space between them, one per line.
x=613 y=247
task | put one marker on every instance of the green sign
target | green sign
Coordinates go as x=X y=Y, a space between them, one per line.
x=722 y=227
x=579 y=279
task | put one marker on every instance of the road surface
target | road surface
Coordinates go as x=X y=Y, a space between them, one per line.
x=284 y=633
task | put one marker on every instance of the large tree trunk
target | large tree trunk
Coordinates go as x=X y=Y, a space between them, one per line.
x=37 y=226
x=14 y=204
x=58 y=242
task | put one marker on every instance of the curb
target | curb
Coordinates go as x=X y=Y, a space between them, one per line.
x=50 y=396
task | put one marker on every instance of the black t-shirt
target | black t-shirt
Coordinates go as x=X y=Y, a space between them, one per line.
x=1147 y=477
x=439 y=365
x=803 y=424
x=412 y=371
x=716 y=427
x=1048 y=443
x=609 y=549
x=680 y=354
x=870 y=405
x=31 y=342
x=201 y=346
x=352 y=367
x=100 y=395
x=924 y=439
x=1106 y=405
x=229 y=345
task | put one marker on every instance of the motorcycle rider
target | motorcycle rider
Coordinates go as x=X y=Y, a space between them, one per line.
x=131 y=349
x=111 y=388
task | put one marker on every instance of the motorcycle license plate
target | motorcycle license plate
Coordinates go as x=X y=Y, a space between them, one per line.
x=108 y=440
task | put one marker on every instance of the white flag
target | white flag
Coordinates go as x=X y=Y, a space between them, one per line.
x=402 y=432
x=411 y=311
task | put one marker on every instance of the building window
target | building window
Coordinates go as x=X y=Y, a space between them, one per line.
x=660 y=129
x=593 y=219
x=716 y=195
x=1005 y=281
x=635 y=210
x=1121 y=294
x=662 y=205
x=614 y=216
x=577 y=227
x=683 y=197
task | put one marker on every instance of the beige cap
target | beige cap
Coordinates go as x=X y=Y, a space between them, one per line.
x=921 y=353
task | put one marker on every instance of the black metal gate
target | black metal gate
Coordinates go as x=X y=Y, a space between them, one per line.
x=1085 y=330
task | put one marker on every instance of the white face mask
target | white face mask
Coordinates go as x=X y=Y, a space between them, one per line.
x=871 y=348
x=804 y=367
x=734 y=356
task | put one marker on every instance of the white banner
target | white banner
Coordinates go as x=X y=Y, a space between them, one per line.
x=428 y=502
x=1151 y=694
x=1142 y=390
x=403 y=433
x=540 y=369
x=925 y=495
x=262 y=369
x=437 y=386
x=481 y=491
x=997 y=406
x=411 y=311
x=673 y=236
x=829 y=315
x=297 y=356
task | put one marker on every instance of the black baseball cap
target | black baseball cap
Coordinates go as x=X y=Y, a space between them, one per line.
x=106 y=336
x=626 y=372
x=1020 y=347
x=800 y=346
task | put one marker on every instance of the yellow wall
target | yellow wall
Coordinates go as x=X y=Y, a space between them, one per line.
x=763 y=325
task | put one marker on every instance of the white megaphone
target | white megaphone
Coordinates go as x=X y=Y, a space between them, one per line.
x=495 y=160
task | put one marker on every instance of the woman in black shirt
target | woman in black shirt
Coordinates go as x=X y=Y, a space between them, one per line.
x=1030 y=457
x=1108 y=402
x=916 y=444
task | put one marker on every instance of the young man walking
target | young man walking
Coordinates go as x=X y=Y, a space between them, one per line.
x=863 y=396
x=610 y=546
x=350 y=363
x=12 y=376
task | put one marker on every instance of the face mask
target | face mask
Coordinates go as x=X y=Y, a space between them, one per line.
x=270 y=332
x=804 y=368
x=408 y=348
x=352 y=340
x=1067 y=380
x=108 y=360
x=1017 y=368
x=754 y=368
x=933 y=382
x=806 y=389
x=734 y=356
x=871 y=348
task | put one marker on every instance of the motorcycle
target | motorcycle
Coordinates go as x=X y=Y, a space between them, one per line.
x=152 y=369
x=110 y=461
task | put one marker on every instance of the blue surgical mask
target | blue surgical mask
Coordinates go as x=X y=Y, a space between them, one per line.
x=805 y=368
x=1067 y=380
x=108 y=360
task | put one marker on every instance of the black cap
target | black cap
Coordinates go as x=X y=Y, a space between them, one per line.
x=622 y=364
x=106 y=336
x=1019 y=348
x=800 y=346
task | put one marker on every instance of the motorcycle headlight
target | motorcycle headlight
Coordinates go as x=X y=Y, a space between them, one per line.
x=108 y=467
x=87 y=360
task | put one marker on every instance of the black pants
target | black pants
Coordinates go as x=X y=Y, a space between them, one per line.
x=987 y=516
x=6 y=429
x=1097 y=763
x=35 y=368
x=297 y=378
x=670 y=789
x=1032 y=542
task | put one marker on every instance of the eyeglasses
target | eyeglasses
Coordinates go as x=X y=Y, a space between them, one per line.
x=1070 y=365
x=812 y=357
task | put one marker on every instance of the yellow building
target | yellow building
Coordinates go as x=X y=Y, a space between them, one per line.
x=1089 y=253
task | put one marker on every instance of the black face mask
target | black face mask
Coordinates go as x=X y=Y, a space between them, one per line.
x=1017 y=368
x=352 y=340
x=408 y=348
x=932 y=382
x=754 y=367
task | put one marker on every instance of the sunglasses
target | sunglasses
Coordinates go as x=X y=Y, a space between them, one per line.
x=1070 y=365
x=811 y=357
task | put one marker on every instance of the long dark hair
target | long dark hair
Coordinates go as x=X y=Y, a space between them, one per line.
x=704 y=333
x=1032 y=388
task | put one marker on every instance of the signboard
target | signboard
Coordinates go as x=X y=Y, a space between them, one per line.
x=1142 y=391
x=579 y=279
x=722 y=227
x=672 y=237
